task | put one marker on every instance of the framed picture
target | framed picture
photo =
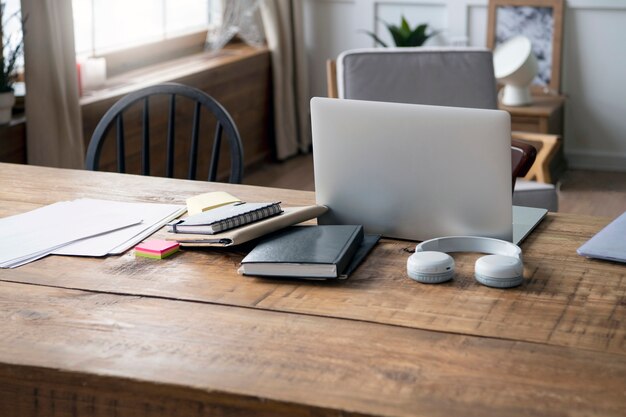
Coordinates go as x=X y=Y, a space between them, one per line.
x=539 y=20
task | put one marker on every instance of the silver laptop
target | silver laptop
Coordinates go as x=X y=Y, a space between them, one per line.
x=413 y=171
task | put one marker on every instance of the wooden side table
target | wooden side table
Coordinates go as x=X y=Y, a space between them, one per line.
x=544 y=115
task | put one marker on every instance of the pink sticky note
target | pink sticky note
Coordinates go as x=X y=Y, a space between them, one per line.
x=157 y=246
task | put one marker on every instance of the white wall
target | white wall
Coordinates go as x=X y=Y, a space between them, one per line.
x=593 y=59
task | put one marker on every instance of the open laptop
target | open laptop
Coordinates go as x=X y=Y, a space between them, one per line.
x=415 y=172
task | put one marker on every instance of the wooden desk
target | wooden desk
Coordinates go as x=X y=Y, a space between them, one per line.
x=187 y=336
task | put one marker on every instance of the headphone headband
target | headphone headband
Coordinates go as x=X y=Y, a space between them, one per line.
x=470 y=244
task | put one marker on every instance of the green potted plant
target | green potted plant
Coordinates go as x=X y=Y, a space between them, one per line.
x=403 y=35
x=11 y=51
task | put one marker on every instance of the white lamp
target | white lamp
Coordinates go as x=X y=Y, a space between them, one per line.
x=515 y=66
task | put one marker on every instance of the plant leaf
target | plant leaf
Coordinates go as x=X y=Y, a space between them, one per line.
x=398 y=38
x=417 y=37
x=433 y=33
x=376 y=38
x=405 y=28
x=405 y=24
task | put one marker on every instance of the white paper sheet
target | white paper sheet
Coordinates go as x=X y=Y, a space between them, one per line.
x=32 y=235
x=154 y=216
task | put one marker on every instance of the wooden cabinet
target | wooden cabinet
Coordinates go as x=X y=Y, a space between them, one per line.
x=544 y=115
x=13 y=141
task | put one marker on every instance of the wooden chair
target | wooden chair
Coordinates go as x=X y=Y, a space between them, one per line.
x=224 y=123
x=545 y=145
x=523 y=156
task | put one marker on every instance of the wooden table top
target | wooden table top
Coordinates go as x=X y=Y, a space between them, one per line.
x=187 y=336
x=542 y=106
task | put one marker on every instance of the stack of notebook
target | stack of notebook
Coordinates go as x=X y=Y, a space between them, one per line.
x=219 y=219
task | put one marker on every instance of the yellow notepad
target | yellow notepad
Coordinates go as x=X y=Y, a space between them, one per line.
x=203 y=202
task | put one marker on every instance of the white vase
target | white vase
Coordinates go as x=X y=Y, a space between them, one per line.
x=7 y=100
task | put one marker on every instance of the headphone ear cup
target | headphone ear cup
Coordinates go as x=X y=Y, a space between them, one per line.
x=430 y=267
x=499 y=271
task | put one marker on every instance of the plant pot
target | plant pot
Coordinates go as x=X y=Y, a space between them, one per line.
x=7 y=100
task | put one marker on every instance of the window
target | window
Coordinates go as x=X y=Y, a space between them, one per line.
x=12 y=26
x=104 y=26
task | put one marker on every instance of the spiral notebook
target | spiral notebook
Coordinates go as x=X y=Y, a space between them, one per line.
x=248 y=232
x=225 y=217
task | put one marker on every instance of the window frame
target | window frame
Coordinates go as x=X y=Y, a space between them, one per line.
x=123 y=59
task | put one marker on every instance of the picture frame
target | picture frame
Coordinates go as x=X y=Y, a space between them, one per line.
x=508 y=18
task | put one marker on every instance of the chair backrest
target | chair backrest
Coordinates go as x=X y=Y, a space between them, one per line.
x=522 y=158
x=223 y=124
x=457 y=77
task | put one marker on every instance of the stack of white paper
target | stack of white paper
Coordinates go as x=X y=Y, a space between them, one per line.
x=84 y=227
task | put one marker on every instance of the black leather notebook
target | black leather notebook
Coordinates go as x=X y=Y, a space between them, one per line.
x=305 y=251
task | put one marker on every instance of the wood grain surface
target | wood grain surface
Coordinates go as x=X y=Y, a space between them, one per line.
x=331 y=364
x=542 y=106
x=212 y=342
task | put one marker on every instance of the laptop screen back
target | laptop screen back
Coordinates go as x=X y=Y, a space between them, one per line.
x=413 y=171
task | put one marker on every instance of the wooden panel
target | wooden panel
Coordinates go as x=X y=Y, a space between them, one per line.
x=566 y=300
x=240 y=82
x=69 y=353
x=525 y=124
x=13 y=141
x=542 y=106
x=552 y=123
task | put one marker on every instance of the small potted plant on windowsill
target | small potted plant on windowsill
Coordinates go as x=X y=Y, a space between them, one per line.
x=11 y=51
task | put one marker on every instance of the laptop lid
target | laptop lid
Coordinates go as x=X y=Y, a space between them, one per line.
x=413 y=171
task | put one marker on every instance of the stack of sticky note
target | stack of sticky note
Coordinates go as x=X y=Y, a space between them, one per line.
x=156 y=249
x=207 y=201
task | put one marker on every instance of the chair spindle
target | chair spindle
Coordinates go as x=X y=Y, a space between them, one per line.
x=170 y=138
x=215 y=156
x=193 y=151
x=121 y=154
x=145 y=154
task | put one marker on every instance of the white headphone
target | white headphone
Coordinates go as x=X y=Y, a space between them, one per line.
x=503 y=268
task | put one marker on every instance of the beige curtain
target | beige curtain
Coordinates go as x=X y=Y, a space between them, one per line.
x=53 y=118
x=284 y=30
